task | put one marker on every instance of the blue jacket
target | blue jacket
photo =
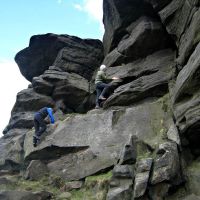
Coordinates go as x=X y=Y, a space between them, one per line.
x=44 y=112
x=50 y=113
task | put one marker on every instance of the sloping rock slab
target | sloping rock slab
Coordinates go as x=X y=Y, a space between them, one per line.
x=154 y=85
x=93 y=141
x=149 y=78
x=161 y=60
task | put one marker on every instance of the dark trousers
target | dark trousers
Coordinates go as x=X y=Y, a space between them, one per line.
x=101 y=89
x=39 y=124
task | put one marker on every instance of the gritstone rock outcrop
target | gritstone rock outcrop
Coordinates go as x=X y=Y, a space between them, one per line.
x=145 y=142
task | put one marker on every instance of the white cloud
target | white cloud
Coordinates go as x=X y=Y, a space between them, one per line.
x=11 y=82
x=59 y=1
x=94 y=8
x=78 y=7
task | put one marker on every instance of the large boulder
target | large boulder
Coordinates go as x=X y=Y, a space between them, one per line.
x=83 y=58
x=93 y=142
x=43 y=50
x=29 y=100
x=72 y=89
x=20 y=120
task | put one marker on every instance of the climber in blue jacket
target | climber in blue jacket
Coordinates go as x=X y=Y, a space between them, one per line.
x=40 y=122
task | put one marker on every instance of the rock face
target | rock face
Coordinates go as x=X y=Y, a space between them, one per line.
x=82 y=56
x=147 y=133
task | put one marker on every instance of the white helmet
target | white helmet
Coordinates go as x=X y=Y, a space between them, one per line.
x=102 y=67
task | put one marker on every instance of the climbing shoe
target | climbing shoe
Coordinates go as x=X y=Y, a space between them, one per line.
x=102 y=98
x=36 y=139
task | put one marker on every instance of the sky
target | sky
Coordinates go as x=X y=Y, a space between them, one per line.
x=21 y=19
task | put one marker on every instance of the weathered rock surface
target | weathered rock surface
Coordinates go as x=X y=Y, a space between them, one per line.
x=150 y=77
x=123 y=192
x=11 y=148
x=190 y=38
x=153 y=47
x=160 y=60
x=83 y=58
x=123 y=172
x=143 y=169
x=36 y=170
x=95 y=152
x=43 y=50
x=22 y=195
x=192 y=197
x=185 y=99
x=70 y=87
x=146 y=31
x=128 y=153
x=193 y=178
x=28 y=100
x=167 y=165
x=118 y=15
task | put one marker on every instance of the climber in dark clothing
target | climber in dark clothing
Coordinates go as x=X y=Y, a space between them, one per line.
x=40 y=122
x=101 y=86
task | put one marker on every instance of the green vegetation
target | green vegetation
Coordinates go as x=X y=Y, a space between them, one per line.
x=142 y=150
x=94 y=188
x=45 y=184
x=165 y=103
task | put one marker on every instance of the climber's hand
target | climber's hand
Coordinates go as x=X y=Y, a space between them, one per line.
x=115 y=78
x=47 y=121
